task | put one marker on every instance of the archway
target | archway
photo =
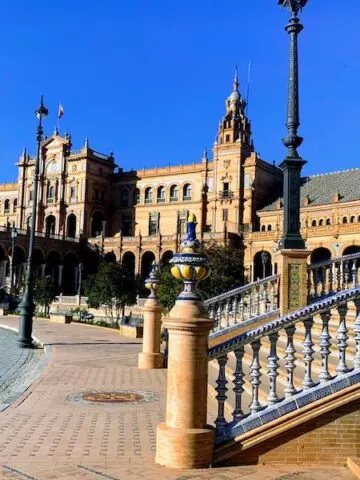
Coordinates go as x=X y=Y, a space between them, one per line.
x=53 y=260
x=110 y=257
x=97 y=224
x=70 y=275
x=146 y=260
x=262 y=265
x=351 y=250
x=167 y=256
x=50 y=225
x=38 y=260
x=128 y=262
x=19 y=268
x=320 y=254
x=71 y=226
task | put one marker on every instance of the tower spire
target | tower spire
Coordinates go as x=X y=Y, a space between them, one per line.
x=236 y=79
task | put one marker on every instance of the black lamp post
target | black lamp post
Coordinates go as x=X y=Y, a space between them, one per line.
x=14 y=235
x=293 y=163
x=264 y=260
x=27 y=305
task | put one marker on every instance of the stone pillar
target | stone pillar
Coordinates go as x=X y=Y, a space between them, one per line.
x=185 y=440
x=61 y=267
x=292 y=267
x=43 y=268
x=150 y=357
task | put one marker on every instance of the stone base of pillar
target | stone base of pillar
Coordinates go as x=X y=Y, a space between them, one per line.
x=292 y=266
x=151 y=360
x=184 y=448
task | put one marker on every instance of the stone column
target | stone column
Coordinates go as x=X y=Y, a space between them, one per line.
x=292 y=267
x=185 y=440
x=43 y=268
x=61 y=267
x=150 y=357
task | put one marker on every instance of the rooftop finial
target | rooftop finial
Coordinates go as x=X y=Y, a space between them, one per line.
x=86 y=142
x=236 y=79
x=56 y=131
x=24 y=152
x=205 y=155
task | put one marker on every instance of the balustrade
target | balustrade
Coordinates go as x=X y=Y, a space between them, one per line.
x=243 y=303
x=326 y=278
x=313 y=341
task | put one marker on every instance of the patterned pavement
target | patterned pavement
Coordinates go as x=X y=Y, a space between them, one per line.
x=49 y=432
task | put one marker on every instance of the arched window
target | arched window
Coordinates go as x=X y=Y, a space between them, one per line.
x=328 y=221
x=352 y=219
x=313 y=223
x=7 y=206
x=321 y=222
x=174 y=193
x=187 y=191
x=124 y=197
x=359 y=218
x=72 y=194
x=15 y=205
x=148 y=195
x=269 y=228
x=263 y=228
x=161 y=194
x=51 y=193
x=136 y=199
x=344 y=220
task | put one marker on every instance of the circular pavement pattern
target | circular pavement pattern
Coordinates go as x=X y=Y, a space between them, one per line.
x=120 y=397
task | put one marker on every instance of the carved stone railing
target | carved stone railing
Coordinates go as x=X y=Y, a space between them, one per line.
x=334 y=275
x=321 y=362
x=250 y=301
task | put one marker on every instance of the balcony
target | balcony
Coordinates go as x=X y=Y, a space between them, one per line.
x=187 y=198
x=50 y=200
x=174 y=199
x=148 y=200
x=161 y=200
x=226 y=194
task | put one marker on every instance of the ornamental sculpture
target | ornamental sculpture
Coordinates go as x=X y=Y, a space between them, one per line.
x=153 y=282
x=190 y=265
x=294 y=6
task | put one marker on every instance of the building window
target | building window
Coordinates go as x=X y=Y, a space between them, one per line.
x=161 y=195
x=328 y=221
x=225 y=214
x=30 y=195
x=182 y=222
x=352 y=219
x=15 y=205
x=187 y=191
x=174 y=193
x=148 y=195
x=313 y=223
x=154 y=223
x=124 y=198
x=269 y=228
x=344 y=220
x=51 y=194
x=321 y=222
x=7 y=206
x=96 y=194
x=227 y=138
x=72 y=193
x=126 y=225
x=263 y=228
x=136 y=196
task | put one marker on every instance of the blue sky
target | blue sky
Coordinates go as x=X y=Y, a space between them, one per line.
x=148 y=79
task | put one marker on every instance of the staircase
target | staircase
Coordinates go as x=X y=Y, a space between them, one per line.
x=273 y=378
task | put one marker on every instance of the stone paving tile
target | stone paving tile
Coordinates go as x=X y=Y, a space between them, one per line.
x=47 y=435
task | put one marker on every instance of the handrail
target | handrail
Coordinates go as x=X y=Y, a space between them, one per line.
x=282 y=322
x=238 y=290
x=325 y=263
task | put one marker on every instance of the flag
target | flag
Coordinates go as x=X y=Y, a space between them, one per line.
x=60 y=111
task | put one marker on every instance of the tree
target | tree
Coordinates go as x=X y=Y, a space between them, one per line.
x=45 y=292
x=227 y=272
x=111 y=288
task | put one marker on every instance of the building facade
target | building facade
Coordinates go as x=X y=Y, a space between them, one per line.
x=138 y=216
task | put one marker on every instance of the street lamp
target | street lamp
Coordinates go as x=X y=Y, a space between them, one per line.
x=293 y=163
x=27 y=306
x=264 y=260
x=80 y=281
x=14 y=234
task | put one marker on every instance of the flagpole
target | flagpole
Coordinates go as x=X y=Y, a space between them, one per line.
x=58 y=117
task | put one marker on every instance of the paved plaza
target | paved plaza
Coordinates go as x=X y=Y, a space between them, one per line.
x=51 y=431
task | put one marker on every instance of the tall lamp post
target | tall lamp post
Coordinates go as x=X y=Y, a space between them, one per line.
x=27 y=305
x=80 y=282
x=14 y=234
x=293 y=163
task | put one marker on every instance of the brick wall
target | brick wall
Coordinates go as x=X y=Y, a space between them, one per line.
x=328 y=439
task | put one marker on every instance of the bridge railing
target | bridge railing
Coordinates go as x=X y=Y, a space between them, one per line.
x=243 y=303
x=264 y=343
x=334 y=275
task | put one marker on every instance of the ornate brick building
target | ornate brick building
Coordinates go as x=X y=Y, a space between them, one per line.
x=137 y=216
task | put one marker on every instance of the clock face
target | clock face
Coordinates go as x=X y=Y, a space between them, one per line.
x=53 y=167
